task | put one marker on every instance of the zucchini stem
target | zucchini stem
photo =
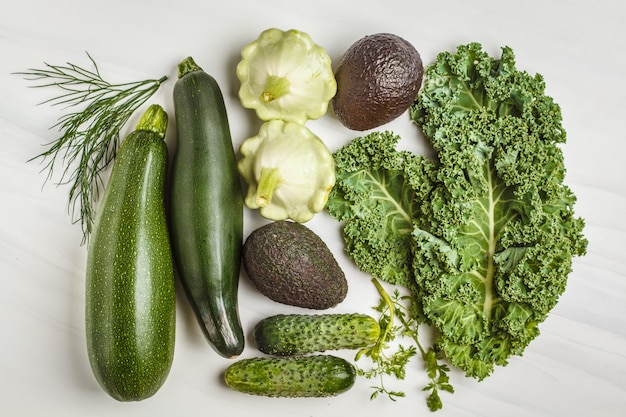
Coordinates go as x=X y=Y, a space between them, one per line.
x=154 y=120
x=269 y=180
x=186 y=66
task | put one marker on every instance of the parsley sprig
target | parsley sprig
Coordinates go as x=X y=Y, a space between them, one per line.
x=397 y=321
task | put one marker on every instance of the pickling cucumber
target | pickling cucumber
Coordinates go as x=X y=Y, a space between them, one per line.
x=130 y=298
x=206 y=208
x=301 y=376
x=298 y=334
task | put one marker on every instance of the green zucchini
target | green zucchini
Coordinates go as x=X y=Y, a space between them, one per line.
x=130 y=295
x=299 y=334
x=206 y=208
x=293 y=376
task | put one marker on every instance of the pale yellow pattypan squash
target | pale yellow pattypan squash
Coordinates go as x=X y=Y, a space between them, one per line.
x=285 y=75
x=289 y=171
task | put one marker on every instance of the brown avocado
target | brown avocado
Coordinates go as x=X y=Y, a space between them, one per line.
x=378 y=78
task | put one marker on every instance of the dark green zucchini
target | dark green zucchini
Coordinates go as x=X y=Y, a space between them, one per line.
x=130 y=296
x=294 y=376
x=299 y=334
x=206 y=208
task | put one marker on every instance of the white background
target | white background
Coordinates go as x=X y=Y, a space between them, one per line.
x=577 y=367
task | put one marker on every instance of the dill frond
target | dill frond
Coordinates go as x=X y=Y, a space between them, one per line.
x=90 y=136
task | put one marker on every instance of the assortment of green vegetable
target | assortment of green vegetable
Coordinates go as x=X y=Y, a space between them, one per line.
x=484 y=234
x=481 y=237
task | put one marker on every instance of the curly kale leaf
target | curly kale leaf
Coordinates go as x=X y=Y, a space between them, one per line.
x=373 y=195
x=493 y=224
x=493 y=249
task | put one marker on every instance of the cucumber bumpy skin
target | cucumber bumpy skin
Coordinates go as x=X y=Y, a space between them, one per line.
x=301 y=376
x=298 y=334
x=130 y=311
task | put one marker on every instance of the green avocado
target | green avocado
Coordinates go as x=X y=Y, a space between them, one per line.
x=290 y=264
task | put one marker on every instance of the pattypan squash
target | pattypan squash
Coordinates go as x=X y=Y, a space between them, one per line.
x=285 y=75
x=289 y=170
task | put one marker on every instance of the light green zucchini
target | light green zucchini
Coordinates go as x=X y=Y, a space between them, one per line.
x=130 y=295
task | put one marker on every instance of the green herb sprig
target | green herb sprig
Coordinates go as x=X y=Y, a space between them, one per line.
x=89 y=137
x=393 y=309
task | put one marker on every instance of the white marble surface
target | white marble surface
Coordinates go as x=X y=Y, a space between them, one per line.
x=577 y=367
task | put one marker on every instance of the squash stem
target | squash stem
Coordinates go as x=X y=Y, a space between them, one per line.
x=186 y=66
x=269 y=180
x=154 y=120
x=275 y=88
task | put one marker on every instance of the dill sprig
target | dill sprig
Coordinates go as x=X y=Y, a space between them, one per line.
x=90 y=136
x=392 y=309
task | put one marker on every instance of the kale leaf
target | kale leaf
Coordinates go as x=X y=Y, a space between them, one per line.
x=372 y=194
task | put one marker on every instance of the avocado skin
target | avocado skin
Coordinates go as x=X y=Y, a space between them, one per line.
x=378 y=78
x=290 y=264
